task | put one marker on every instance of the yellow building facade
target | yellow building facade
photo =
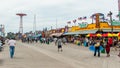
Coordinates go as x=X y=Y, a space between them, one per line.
x=103 y=25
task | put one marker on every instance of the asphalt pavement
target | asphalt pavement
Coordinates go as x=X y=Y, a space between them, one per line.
x=37 y=55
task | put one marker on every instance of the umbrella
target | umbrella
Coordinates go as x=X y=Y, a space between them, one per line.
x=110 y=35
x=104 y=35
x=90 y=35
x=107 y=35
x=118 y=34
x=98 y=35
x=114 y=34
x=92 y=48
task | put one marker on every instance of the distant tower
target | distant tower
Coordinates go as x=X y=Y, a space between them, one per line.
x=21 y=22
x=34 y=25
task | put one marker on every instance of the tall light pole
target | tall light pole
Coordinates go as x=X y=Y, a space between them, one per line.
x=34 y=25
x=111 y=21
x=56 y=25
x=21 y=22
x=119 y=9
x=2 y=30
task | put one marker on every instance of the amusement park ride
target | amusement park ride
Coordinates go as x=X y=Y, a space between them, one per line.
x=21 y=24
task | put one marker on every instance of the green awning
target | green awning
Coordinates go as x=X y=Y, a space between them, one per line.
x=81 y=32
x=71 y=33
x=116 y=23
x=87 y=31
x=109 y=30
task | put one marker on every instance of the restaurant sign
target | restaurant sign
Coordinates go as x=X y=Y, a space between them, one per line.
x=83 y=24
x=116 y=23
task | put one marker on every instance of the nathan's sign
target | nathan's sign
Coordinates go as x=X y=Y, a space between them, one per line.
x=116 y=23
x=83 y=24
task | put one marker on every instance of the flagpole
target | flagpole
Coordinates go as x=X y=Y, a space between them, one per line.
x=34 y=25
x=56 y=24
x=75 y=23
x=92 y=19
x=119 y=15
x=119 y=9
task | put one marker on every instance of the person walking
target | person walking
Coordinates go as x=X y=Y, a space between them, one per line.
x=97 y=48
x=110 y=41
x=108 y=49
x=55 y=40
x=1 y=47
x=12 y=44
x=59 y=43
x=64 y=40
x=119 y=48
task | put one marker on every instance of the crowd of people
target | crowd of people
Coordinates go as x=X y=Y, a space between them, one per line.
x=97 y=42
x=106 y=43
x=2 y=42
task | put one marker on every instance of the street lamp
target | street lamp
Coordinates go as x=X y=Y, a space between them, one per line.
x=110 y=15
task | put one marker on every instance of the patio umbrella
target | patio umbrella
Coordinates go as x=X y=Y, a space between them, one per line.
x=118 y=34
x=104 y=35
x=115 y=35
x=107 y=35
x=90 y=35
x=110 y=35
x=98 y=35
x=92 y=48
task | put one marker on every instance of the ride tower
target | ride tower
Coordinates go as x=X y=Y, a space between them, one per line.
x=21 y=22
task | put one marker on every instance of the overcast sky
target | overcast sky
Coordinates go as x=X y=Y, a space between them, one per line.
x=47 y=11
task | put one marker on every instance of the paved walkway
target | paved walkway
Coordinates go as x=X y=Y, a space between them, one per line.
x=36 y=55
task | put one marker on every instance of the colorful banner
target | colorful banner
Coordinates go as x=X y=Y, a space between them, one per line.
x=119 y=5
x=83 y=24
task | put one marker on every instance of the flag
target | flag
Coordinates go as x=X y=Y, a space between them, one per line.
x=117 y=15
x=106 y=20
x=0 y=29
x=69 y=22
x=102 y=18
x=3 y=29
x=91 y=17
x=119 y=5
x=108 y=15
x=84 y=18
x=80 y=18
x=74 y=21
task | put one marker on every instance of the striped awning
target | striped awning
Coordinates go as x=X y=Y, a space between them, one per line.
x=81 y=32
x=110 y=30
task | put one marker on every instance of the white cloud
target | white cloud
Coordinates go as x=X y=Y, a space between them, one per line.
x=48 y=10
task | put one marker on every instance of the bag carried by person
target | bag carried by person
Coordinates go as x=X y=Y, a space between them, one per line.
x=103 y=51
